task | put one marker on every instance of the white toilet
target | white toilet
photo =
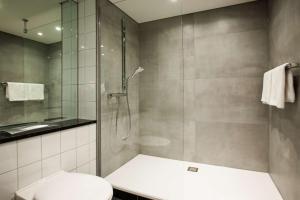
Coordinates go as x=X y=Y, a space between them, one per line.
x=65 y=186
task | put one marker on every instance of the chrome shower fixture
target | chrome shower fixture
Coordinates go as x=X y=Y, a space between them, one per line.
x=137 y=70
x=125 y=94
x=25 y=30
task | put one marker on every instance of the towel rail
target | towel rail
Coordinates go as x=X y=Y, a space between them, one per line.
x=293 y=65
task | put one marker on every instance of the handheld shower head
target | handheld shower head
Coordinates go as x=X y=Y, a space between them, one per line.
x=137 y=71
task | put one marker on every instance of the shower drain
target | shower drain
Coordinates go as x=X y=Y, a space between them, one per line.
x=192 y=169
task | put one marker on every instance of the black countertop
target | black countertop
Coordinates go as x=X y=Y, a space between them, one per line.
x=56 y=126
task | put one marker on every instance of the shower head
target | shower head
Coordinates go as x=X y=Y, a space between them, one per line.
x=137 y=70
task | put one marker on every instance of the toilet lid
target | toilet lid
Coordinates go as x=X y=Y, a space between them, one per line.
x=76 y=187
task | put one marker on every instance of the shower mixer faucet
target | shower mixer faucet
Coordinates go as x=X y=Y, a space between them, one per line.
x=125 y=94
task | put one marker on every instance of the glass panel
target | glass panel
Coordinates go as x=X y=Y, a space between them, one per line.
x=155 y=94
x=118 y=139
x=70 y=54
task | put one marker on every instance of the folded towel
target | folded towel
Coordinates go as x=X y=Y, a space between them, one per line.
x=278 y=86
x=16 y=91
x=35 y=91
x=24 y=91
x=266 y=93
x=289 y=87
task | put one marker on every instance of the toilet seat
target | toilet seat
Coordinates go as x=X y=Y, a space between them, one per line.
x=66 y=186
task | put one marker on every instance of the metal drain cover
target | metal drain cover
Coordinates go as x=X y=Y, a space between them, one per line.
x=193 y=169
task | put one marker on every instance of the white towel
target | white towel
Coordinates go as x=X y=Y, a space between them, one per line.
x=278 y=86
x=266 y=93
x=24 y=91
x=16 y=91
x=34 y=91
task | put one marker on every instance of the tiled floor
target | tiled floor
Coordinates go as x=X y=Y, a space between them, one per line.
x=165 y=179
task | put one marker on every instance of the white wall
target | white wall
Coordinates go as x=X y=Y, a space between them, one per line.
x=25 y=161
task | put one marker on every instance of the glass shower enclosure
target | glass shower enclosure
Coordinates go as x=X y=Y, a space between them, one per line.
x=154 y=125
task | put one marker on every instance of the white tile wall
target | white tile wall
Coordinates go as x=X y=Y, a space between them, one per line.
x=29 y=151
x=87 y=59
x=82 y=136
x=84 y=169
x=51 y=165
x=68 y=139
x=68 y=160
x=29 y=174
x=25 y=161
x=8 y=184
x=50 y=145
x=8 y=157
x=83 y=155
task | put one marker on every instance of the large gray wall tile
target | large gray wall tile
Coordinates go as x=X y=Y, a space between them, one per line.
x=284 y=130
x=224 y=54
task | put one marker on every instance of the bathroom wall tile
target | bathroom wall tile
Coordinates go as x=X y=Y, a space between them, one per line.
x=81 y=76
x=91 y=110
x=81 y=9
x=68 y=139
x=90 y=24
x=81 y=58
x=284 y=123
x=82 y=91
x=8 y=185
x=239 y=18
x=84 y=169
x=50 y=145
x=50 y=165
x=90 y=57
x=67 y=29
x=227 y=102
x=89 y=7
x=8 y=157
x=93 y=150
x=190 y=142
x=90 y=40
x=87 y=92
x=81 y=26
x=29 y=174
x=93 y=132
x=68 y=160
x=90 y=74
x=82 y=136
x=29 y=151
x=237 y=148
x=212 y=61
x=93 y=168
x=83 y=155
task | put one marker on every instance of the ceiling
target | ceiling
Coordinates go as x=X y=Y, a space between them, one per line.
x=150 y=10
x=43 y=16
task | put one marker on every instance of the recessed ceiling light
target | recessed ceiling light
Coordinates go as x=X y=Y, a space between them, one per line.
x=40 y=33
x=57 y=28
x=102 y=45
x=174 y=1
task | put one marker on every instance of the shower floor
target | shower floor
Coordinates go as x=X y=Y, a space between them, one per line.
x=160 y=178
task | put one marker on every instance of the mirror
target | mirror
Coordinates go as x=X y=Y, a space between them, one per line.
x=38 y=48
